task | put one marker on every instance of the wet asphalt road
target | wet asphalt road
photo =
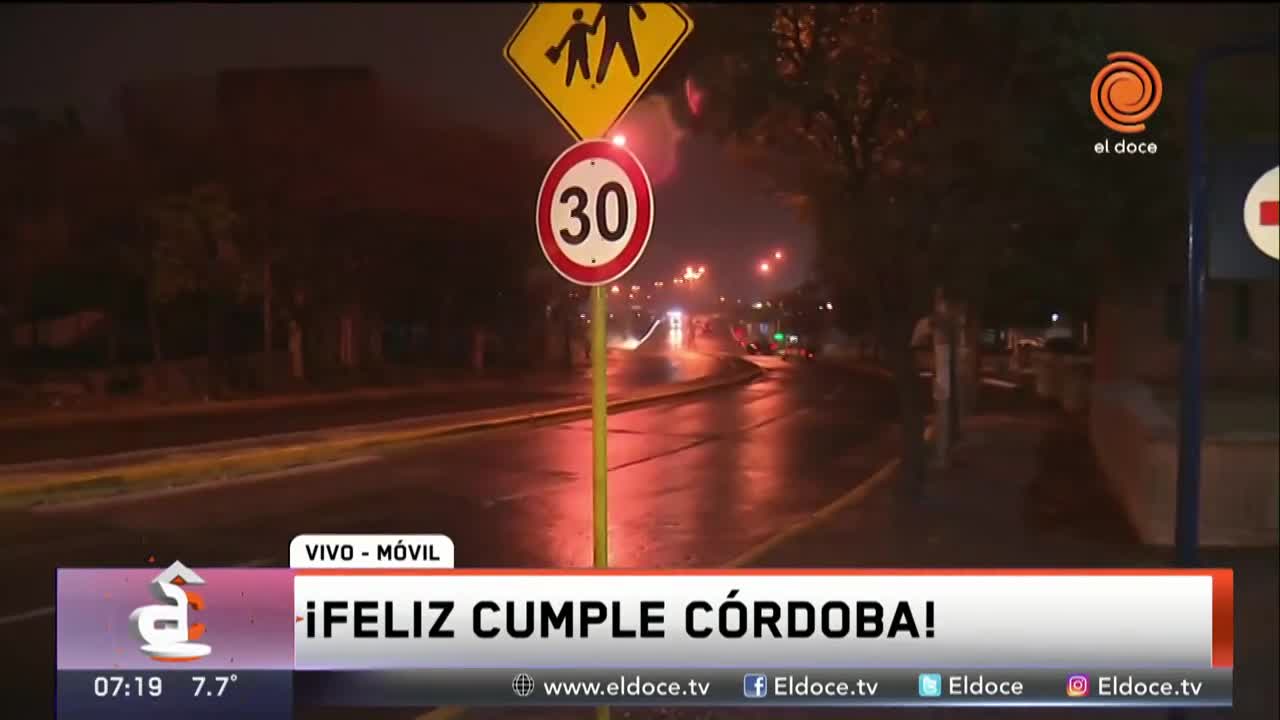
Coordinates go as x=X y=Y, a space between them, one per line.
x=692 y=483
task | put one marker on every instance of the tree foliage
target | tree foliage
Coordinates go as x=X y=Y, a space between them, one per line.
x=192 y=247
x=937 y=149
x=939 y=146
x=317 y=189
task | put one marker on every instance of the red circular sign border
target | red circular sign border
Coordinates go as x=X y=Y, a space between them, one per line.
x=631 y=167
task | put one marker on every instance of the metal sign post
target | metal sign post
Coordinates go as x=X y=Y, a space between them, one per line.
x=599 y=429
x=599 y=439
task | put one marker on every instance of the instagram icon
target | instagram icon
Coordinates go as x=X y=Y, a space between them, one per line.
x=1078 y=686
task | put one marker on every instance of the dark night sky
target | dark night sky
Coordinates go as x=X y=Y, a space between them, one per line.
x=447 y=55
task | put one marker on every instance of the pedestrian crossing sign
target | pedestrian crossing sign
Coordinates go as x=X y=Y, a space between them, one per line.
x=590 y=62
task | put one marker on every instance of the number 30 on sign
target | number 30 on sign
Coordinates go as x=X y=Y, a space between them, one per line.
x=595 y=212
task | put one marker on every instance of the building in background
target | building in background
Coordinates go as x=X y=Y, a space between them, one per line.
x=1134 y=408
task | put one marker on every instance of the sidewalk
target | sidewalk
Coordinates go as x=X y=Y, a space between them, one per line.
x=1023 y=491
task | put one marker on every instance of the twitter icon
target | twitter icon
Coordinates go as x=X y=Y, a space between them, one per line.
x=930 y=685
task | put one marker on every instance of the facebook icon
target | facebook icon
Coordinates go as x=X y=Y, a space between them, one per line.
x=755 y=686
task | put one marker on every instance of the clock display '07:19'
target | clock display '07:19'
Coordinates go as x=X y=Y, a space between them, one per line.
x=132 y=686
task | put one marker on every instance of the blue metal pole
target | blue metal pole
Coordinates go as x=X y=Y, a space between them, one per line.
x=1190 y=402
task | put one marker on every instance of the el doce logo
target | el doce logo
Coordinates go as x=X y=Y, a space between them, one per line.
x=1125 y=93
x=164 y=628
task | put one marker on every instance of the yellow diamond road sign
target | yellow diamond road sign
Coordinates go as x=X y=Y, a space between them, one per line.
x=590 y=62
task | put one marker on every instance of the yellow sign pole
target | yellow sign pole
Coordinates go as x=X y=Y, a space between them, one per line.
x=599 y=428
x=599 y=437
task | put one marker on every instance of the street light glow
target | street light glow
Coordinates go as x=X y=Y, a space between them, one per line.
x=764 y=267
x=615 y=289
x=619 y=140
x=777 y=254
x=701 y=269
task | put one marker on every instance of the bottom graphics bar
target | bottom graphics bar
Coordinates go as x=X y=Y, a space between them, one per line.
x=263 y=694
x=791 y=687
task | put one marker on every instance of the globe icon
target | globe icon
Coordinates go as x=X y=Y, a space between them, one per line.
x=522 y=685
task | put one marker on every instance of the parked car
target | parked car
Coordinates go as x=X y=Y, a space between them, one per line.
x=762 y=347
x=1062 y=345
x=800 y=351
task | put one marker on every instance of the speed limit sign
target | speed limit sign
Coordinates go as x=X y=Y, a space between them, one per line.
x=595 y=212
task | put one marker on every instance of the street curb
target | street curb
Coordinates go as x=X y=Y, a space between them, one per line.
x=859 y=367
x=260 y=460
x=53 y=418
x=818 y=517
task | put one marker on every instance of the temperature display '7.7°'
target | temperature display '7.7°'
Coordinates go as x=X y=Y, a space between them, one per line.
x=212 y=686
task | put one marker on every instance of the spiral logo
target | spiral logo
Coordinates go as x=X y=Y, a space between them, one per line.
x=1126 y=92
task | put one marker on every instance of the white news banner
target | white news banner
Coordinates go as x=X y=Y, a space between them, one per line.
x=811 y=619
x=371 y=551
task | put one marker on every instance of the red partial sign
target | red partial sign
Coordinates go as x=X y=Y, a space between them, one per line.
x=1269 y=213
x=595 y=212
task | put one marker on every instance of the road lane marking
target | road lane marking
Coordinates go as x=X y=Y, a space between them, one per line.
x=527 y=494
x=849 y=499
x=672 y=451
x=24 y=616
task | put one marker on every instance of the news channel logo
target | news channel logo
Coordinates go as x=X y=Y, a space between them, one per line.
x=164 y=628
x=929 y=685
x=755 y=686
x=522 y=685
x=1126 y=92
x=1077 y=686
